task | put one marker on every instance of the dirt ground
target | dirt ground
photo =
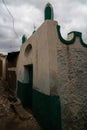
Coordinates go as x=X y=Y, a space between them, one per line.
x=12 y=115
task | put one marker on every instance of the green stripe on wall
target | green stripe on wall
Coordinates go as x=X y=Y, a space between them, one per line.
x=47 y=110
x=24 y=93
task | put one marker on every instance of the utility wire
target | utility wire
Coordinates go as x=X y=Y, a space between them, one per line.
x=11 y=17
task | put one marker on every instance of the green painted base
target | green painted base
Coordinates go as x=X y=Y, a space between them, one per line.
x=47 y=110
x=24 y=93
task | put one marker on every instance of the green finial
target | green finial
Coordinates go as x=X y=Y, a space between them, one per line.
x=34 y=29
x=24 y=39
x=48 y=12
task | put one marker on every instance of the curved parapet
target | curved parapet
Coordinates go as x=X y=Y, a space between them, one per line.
x=71 y=41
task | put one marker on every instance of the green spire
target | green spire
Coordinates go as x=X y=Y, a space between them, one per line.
x=48 y=12
x=34 y=29
x=24 y=39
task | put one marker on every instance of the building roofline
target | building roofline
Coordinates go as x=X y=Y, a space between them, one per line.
x=75 y=35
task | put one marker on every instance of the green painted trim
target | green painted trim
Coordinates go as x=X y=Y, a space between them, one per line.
x=82 y=42
x=47 y=110
x=63 y=40
x=76 y=34
x=79 y=34
x=33 y=32
x=24 y=93
x=48 y=12
x=24 y=39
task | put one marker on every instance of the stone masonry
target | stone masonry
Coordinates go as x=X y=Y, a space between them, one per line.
x=72 y=84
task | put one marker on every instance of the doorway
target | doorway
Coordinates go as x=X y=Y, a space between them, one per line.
x=27 y=91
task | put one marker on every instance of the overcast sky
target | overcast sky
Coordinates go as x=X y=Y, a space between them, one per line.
x=71 y=16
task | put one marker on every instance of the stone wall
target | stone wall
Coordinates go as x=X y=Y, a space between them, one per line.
x=72 y=84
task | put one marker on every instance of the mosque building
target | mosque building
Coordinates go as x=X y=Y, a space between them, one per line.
x=52 y=76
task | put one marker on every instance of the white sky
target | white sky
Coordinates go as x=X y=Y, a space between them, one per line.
x=71 y=16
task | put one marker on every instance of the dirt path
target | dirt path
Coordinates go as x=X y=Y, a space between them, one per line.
x=12 y=114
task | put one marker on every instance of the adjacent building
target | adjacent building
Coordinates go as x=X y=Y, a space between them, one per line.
x=8 y=70
x=11 y=77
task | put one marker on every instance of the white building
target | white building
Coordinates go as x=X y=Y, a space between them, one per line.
x=52 y=76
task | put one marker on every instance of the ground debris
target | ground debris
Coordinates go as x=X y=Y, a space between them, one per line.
x=20 y=111
x=12 y=115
